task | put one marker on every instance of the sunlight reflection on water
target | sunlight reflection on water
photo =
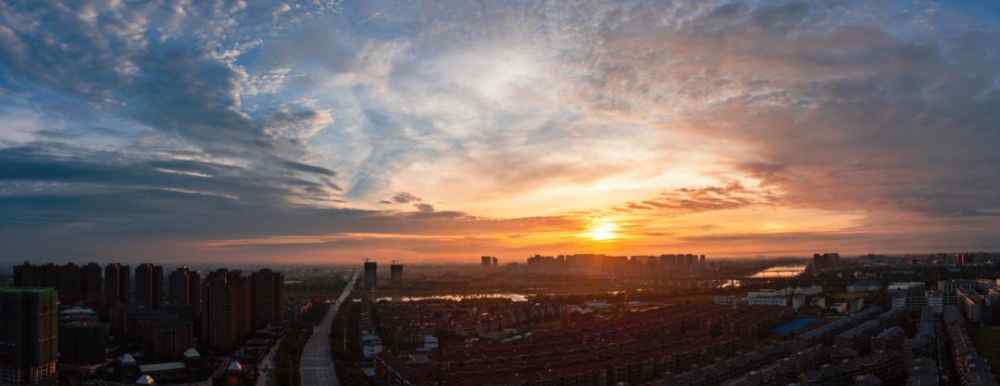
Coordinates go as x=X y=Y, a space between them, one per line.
x=780 y=271
x=457 y=297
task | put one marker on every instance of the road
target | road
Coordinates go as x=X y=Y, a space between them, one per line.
x=267 y=365
x=316 y=366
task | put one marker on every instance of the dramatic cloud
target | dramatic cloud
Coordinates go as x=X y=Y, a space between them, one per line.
x=683 y=200
x=313 y=130
x=405 y=198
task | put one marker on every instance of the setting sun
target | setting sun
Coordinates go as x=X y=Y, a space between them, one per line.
x=605 y=231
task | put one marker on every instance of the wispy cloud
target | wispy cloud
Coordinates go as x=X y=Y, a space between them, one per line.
x=124 y=124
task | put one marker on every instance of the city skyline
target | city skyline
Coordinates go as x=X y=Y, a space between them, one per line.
x=329 y=131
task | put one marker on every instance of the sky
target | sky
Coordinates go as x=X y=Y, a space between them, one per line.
x=431 y=131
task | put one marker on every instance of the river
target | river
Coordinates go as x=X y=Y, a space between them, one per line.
x=456 y=297
x=781 y=271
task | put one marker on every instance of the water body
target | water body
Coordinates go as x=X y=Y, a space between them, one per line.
x=457 y=297
x=781 y=271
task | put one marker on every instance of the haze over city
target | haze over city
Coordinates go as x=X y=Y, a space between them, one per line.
x=436 y=131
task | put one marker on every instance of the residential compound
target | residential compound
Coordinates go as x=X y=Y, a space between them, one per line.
x=73 y=323
x=622 y=266
x=852 y=321
x=510 y=343
x=844 y=321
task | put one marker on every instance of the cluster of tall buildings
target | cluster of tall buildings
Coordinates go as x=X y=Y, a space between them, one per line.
x=371 y=274
x=73 y=283
x=622 y=266
x=489 y=261
x=235 y=305
x=84 y=315
x=825 y=260
x=149 y=285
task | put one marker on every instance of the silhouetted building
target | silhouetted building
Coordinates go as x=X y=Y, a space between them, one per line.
x=67 y=280
x=70 y=285
x=371 y=275
x=682 y=263
x=164 y=333
x=825 y=260
x=117 y=285
x=268 y=294
x=82 y=342
x=225 y=310
x=117 y=282
x=25 y=275
x=396 y=274
x=183 y=285
x=488 y=261
x=244 y=300
x=149 y=285
x=184 y=290
x=92 y=283
x=28 y=336
x=219 y=323
x=961 y=259
x=34 y=276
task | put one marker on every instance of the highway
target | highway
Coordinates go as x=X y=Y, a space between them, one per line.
x=266 y=367
x=316 y=366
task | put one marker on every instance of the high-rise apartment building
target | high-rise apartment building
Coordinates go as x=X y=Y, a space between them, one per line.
x=28 y=275
x=117 y=280
x=83 y=339
x=226 y=310
x=165 y=333
x=28 y=336
x=72 y=283
x=149 y=285
x=184 y=290
x=217 y=313
x=185 y=287
x=825 y=260
x=396 y=273
x=371 y=275
x=117 y=288
x=24 y=275
x=92 y=283
x=241 y=289
x=268 y=297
